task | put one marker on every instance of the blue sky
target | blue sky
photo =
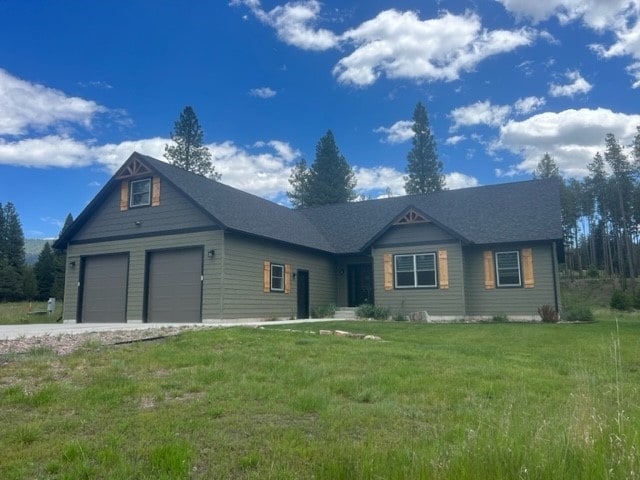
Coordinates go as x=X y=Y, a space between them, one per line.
x=84 y=84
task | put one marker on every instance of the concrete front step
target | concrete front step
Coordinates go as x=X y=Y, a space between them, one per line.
x=345 y=313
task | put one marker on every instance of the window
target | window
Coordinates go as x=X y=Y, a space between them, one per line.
x=413 y=271
x=277 y=278
x=140 y=193
x=508 y=269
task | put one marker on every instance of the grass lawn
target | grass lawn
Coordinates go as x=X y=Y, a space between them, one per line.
x=456 y=401
x=18 y=312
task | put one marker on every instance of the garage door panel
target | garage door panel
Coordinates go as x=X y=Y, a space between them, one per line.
x=104 y=289
x=175 y=286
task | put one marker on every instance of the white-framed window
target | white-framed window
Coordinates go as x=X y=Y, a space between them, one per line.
x=416 y=270
x=277 y=277
x=508 y=269
x=140 y=193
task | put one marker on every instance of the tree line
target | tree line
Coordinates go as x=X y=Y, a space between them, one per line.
x=601 y=212
x=19 y=281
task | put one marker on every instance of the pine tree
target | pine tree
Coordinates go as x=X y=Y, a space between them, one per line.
x=423 y=167
x=299 y=181
x=60 y=264
x=188 y=151
x=547 y=168
x=12 y=255
x=44 y=270
x=331 y=179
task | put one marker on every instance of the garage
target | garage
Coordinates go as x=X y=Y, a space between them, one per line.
x=174 y=288
x=104 y=288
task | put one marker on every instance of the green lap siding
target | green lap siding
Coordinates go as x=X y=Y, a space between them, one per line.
x=243 y=292
x=513 y=301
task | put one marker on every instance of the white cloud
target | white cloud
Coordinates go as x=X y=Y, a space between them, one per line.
x=456 y=180
x=399 y=132
x=262 y=92
x=527 y=105
x=48 y=151
x=400 y=45
x=453 y=140
x=571 y=137
x=294 y=23
x=578 y=85
x=25 y=106
x=378 y=179
x=480 y=113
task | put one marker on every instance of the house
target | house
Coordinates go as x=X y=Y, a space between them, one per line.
x=160 y=244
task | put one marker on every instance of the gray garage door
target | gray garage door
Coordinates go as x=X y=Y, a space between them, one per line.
x=175 y=286
x=104 y=288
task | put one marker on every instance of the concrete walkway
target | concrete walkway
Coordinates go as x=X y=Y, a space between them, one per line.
x=11 y=332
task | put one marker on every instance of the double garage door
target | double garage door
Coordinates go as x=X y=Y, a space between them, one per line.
x=173 y=290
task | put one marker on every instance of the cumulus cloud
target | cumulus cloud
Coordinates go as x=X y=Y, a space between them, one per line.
x=578 y=85
x=399 y=132
x=400 y=45
x=453 y=140
x=377 y=179
x=456 y=180
x=25 y=106
x=262 y=92
x=480 y=113
x=527 y=105
x=571 y=137
x=294 y=23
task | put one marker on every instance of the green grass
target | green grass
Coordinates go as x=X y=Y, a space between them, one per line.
x=18 y=312
x=459 y=401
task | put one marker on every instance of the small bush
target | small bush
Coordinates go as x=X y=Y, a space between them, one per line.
x=500 y=318
x=325 y=311
x=577 y=313
x=548 y=314
x=400 y=317
x=367 y=310
x=593 y=273
x=621 y=301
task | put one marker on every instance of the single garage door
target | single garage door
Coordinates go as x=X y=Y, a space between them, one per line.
x=104 y=288
x=175 y=286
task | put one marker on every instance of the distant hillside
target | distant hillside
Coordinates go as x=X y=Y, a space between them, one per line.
x=33 y=247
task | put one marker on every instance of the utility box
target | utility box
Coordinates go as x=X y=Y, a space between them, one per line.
x=51 y=306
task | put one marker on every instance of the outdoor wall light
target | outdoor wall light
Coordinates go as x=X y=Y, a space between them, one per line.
x=72 y=264
x=211 y=253
x=138 y=223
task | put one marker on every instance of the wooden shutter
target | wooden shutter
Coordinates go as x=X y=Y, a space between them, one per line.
x=527 y=267
x=443 y=270
x=489 y=274
x=155 y=192
x=266 y=277
x=287 y=279
x=388 y=272
x=124 y=195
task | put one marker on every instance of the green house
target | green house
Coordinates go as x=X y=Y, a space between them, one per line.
x=159 y=244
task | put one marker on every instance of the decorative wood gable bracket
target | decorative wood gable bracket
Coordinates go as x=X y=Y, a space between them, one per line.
x=411 y=217
x=135 y=168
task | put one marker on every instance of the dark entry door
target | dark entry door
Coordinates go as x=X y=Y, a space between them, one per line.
x=303 y=293
x=175 y=286
x=360 y=284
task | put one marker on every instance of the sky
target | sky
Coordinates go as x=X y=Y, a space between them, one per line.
x=83 y=84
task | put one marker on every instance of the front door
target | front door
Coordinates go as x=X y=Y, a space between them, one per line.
x=303 y=293
x=360 y=284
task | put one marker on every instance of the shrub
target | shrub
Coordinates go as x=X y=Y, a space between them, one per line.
x=325 y=311
x=500 y=318
x=593 y=273
x=621 y=300
x=548 y=314
x=367 y=310
x=577 y=313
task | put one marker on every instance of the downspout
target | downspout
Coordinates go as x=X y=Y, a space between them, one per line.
x=554 y=266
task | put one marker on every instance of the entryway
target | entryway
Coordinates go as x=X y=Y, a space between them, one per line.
x=360 y=284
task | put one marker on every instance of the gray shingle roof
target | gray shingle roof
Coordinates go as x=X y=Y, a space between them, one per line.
x=511 y=212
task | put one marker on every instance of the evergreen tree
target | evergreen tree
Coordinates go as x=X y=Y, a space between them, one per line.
x=44 y=270
x=423 y=167
x=299 y=181
x=547 y=168
x=12 y=255
x=188 y=151
x=331 y=179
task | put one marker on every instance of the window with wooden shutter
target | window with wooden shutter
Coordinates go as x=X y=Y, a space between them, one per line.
x=527 y=267
x=155 y=192
x=443 y=270
x=388 y=271
x=287 y=278
x=489 y=275
x=266 y=277
x=124 y=195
